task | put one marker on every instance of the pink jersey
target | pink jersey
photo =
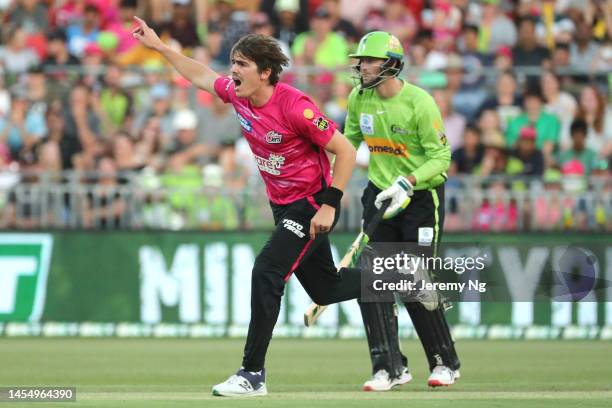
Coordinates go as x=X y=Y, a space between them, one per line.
x=287 y=136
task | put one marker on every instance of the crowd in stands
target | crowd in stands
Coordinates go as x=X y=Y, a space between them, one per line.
x=524 y=88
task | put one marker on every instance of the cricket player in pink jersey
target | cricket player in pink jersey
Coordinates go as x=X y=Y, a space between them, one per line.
x=289 y=138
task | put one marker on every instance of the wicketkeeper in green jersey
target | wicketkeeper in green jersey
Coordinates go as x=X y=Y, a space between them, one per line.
x=409 y=155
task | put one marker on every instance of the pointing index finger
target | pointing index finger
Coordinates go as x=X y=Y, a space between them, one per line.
x=140 y=22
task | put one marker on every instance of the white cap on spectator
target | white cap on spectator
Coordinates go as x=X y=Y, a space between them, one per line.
x=181 y=2
x=287 y=5
x=185 y=119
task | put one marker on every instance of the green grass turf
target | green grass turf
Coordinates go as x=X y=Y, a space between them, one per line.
x=305 y=373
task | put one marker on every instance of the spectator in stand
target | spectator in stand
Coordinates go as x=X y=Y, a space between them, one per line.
x=474 y=62
x=468 y=46
x=454 y=123
x=598 y=14
x=82 y=128
x=235 y=173
x=506 y=101
x=15 y=56
x=225 y=27
x=503 y=60
x=320 y=46
x=80 y=34
x=603 y=62
x=466 y=98
x=218 y=124
x=186 y=149
x=161 y=110
x=67 y=12
x=444 y=21
x=547 y=212
x=23 y=128
x=489 y=125
x=530 y=157
x=469 y=156
x=578 y=150
x=339 y=24
x=124 y=152
x=593 y=110
x=527 y=52
x=114 y=102
x=547 y=125
x=553 y=27
x=288 y=17
x=394 y=18
x=56 y=129
x=495 y=157
x=260 y=24
x=124 y=26
x=93 y=65
x=497 y=212
x=213 y=209
x=31 y=15
x=561 y=59
x=583 y=51
x=148 y=145
x=105 y=207
x=59 y=60
x=495 y=28
x=559 y=103
x=336 y=107
x=182 y=27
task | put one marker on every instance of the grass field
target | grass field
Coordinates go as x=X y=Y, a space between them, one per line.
x=305 y=373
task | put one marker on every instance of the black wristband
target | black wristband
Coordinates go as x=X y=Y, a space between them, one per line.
x=332 y=197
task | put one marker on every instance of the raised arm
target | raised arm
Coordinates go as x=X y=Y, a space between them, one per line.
x=197 y=73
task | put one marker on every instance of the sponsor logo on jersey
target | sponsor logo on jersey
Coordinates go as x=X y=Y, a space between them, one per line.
x=398 y=130
x=426 y=235
x=321 y=123
x=366 y=123
x=437 y=125
x=308 y=113
x=379 y=145
x=442 y=137
x=272 y=164
x=294 y=227
x=273 y=138
x=246 y=125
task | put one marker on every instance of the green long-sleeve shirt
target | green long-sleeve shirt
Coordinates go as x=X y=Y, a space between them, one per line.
x=404 y=133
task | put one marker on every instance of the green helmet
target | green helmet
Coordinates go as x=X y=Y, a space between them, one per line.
x=379 y=44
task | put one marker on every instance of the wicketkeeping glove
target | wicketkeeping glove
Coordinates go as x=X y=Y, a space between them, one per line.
x=399 y=193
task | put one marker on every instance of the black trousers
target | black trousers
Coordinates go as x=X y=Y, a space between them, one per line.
x=290 y=251
x=421 y=222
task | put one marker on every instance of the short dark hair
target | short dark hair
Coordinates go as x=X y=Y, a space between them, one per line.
x=472 y=127
x=526 y=19
x=579 y=125
x=470 y=28
x=533 y=91
x=128 y=4
x=264 y=51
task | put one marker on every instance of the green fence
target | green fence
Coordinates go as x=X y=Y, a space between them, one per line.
x=198 y=284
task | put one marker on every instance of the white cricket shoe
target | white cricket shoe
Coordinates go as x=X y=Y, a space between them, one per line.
x=242 y=384
x=442 y=376
x=382 y=382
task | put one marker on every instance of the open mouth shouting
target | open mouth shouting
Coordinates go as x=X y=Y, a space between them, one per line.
x=237 y=82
